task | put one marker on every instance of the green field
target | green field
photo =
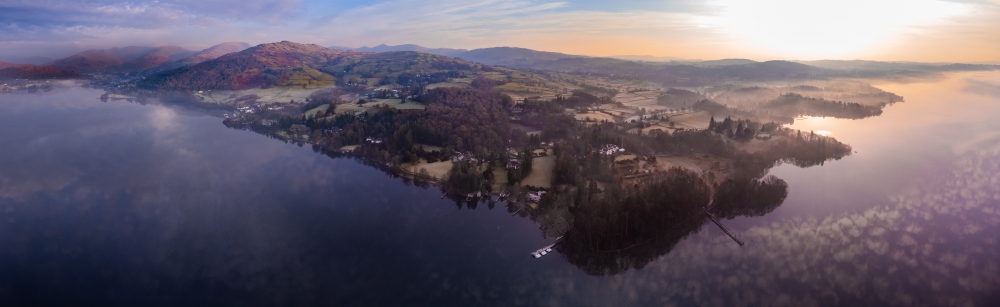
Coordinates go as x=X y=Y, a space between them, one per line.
x=354 y=108
x=541 y=172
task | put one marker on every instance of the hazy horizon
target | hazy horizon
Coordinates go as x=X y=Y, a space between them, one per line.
x=891 y=30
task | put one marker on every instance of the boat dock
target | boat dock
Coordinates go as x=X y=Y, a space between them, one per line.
x=544 y=250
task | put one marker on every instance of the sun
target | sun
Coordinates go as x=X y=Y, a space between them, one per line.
x=818 y=29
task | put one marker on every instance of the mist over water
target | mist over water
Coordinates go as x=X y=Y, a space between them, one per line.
x=121 y=204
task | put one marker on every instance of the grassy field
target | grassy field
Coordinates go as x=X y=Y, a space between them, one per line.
x=454 y=83
x=438 y=170
x=667 y=162
x=616 y=110
x=541 y=172
x=321 y=109
x=529 y=130
x=696 y=120
x=276 y=94
x=647 y=100
x=594 y=116
x=354 y=108
x=499 y=179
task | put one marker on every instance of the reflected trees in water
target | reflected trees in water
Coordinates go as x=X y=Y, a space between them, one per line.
x=629 y=227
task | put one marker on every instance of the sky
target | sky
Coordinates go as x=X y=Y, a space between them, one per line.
x=885 y=30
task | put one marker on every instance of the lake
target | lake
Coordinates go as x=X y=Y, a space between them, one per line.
x=123 y=204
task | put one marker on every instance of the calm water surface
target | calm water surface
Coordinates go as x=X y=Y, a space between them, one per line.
x=121 y=204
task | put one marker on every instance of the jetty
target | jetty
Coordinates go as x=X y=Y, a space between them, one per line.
x=544 y=250
x=723 y=227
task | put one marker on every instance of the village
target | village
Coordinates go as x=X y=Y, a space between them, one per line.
x=525 y=176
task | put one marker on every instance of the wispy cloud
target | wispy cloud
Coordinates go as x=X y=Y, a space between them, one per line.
x=682 y=28
x=144 y=14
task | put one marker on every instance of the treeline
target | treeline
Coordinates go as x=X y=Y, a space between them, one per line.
x=717 y=109
x=581 y=99
x=412 y=79
x=628 y=226
x=795 y=104
x=749 y=197
x=455 y=119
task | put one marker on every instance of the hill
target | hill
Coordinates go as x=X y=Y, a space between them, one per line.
x=506 y=56
x=312 y=66
x=725 y=62
x=650 y=58
x=212 y=53
x=770 y=70
x=157 y=57
x=861 y=65
x=97 y=60
x=410 y=47
x=512 y=56
x=36 y=60
x=260 y=66
x=28 y=71
x=6 y=64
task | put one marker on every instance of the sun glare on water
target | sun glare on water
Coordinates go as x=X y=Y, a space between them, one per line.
x=817 y=29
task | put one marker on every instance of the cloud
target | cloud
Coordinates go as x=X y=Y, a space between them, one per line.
x=681 y=28
x=143 y=14
x=982 y=87
x=555 y=26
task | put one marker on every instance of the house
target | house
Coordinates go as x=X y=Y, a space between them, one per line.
x=763 y=136
x=513 y=164
x=300 y=129
x=536 y=196
x=610 y=149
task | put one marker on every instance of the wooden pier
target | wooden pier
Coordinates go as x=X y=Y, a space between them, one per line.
x=544 y=250
x=724 y=229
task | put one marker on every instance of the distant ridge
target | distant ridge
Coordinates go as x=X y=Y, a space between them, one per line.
x=896 y=66
x=209 y=53
x=6 y=64
x=36 y=60
x=95 y=59
x=214 y=52
x=310 y=66
x=725 y=62
x=133 y=58
x=30 y=71
x=512 y=56
x=508 y=56
x=157 y=57
x=262 y=65
x=411 y=47
x=651 y=58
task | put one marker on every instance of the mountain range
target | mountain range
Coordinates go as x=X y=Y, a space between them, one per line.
x=118 y=60
x=309 y=66
x=135 y=58
x=670 y=71
x=506 y=56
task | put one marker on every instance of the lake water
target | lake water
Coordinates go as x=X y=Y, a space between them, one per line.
x=121 y=204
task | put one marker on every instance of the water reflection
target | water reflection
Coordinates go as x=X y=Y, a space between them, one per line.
x=983 y=87
x=930 y=246
x=125 y=204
